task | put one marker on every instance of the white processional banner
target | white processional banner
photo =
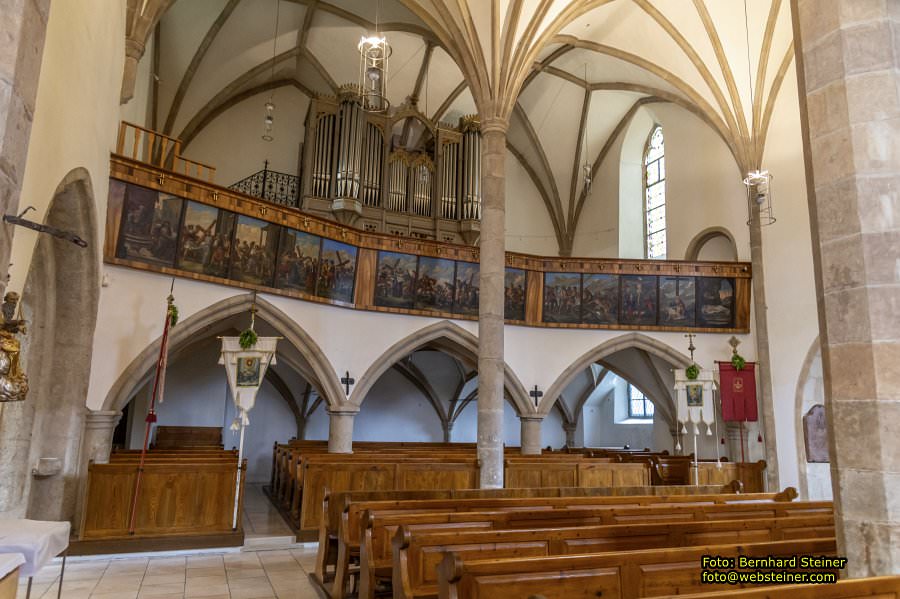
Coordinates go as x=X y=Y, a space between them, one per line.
x=694 y=400
x=246 y=369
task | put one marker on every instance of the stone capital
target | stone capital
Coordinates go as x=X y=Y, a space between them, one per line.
x=494 y=125
x=101 y=419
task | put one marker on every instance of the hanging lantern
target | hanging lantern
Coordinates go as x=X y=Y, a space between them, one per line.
x=759 y=197
x=374 y=52
x=269 y=120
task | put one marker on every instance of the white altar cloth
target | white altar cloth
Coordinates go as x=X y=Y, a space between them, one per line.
x=9 y=562
x=37 y=540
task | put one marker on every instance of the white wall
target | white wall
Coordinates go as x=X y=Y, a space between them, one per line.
x=76 y=114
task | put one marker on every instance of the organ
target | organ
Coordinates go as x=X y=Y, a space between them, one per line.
x=398 y=173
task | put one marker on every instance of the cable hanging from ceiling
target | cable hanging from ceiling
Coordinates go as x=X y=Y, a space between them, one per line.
x=758 y=181
x=269 y=119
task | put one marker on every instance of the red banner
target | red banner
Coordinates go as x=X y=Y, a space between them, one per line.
x=737 y=388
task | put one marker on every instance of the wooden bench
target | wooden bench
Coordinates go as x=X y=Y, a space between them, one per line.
x=379 y=527
x=613 y=575
x=880 y=587
x=416 y=555
x=184 y=501
x=187 y=436
x=341 y=512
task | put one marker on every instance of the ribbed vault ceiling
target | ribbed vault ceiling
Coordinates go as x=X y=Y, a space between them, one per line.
x=563 y=73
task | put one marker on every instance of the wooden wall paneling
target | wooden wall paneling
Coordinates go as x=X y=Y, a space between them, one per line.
x=534 y=297
x=364 y=294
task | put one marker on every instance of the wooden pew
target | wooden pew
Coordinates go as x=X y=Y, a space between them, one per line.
x=184 y=501
x=880 y=587
x=380 y=527
x=342 y=510
x=614 y=575
x=416 y=555
x=187 y=436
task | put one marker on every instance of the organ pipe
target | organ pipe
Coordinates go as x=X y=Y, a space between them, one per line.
x=449 y=177
x=471 y=173
x=371 y=166
x=350 y=147
x=323 y=155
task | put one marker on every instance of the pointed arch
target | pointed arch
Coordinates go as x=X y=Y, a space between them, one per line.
x=622 y=342
x=324 y=378
x=449 y=338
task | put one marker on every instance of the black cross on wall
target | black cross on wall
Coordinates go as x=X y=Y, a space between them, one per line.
x=347 y=381
x=536 y=394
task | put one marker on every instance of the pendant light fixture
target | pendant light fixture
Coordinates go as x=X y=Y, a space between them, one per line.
x=269 y=119
x=374 y=52
x=758 y=181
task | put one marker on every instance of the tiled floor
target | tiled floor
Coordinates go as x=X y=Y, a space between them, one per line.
x=260 y=573
x=233 y=575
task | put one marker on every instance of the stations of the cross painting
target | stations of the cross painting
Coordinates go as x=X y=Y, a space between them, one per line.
x=347 y=381
x=536 y=394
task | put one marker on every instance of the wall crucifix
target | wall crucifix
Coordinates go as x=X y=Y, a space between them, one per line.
x=347 y=381
x=536 y=394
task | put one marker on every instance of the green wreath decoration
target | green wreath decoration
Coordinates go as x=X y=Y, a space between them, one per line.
x=247 y=339
x=173 y=315
x=692 y=372
x=737 y=361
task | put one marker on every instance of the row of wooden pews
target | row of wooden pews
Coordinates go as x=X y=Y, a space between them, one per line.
x=185 y=499
x=302 y=471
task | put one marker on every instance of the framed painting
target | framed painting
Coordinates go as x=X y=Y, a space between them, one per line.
x=337 y=271
x=677 y=302
x=395 y=280
x=716 y=303
x=514 y=302
x=694 y=396
x=150 y=223
x=205 y=241
x=562 y=297
x=298 y=261
x=600 y=299
x=248 y=371
x=638 y=300
x=434 y=284
x=466 y=288
x=253 y=251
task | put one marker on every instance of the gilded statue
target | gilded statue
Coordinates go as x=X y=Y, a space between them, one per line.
x=13 y=382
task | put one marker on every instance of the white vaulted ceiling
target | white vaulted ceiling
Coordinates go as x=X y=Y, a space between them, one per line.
x=520 y=60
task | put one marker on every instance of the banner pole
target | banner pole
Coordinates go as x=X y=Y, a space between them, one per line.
x=237 y=479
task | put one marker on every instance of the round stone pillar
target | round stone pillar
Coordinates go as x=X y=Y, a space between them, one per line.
x=492 y=247
x=340 y=432
x=531 y=435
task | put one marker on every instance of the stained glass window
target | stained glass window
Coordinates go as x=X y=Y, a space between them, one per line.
x=655 y=196
x=638 y=404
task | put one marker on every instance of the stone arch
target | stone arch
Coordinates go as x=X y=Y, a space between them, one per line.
x=806 y=370
x=450 y=338
x=320 y=371
x=607 y=348
x=59 y=301
x=705 y=236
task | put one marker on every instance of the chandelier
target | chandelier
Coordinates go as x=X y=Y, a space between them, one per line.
x=586 y=168
x=757 y=181
x=759 y=197
x=374 y=52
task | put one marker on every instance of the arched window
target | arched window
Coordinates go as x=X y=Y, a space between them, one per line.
x=655 y=196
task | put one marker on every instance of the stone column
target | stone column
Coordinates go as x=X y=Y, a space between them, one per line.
x=848 y=61
x=570 y=428
x=340 y=431
x=764 y=363
x=24 y=29
x=491 y=303
x=96 y=445
x=531 y=435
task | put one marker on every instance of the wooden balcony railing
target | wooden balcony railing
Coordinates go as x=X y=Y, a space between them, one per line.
x=159 y=150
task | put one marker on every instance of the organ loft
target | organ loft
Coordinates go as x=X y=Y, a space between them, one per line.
x=483 y=298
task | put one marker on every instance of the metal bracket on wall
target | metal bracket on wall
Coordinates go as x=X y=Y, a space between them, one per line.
x=67 y=235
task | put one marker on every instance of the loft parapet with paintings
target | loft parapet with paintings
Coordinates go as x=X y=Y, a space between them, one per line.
x=162 y=220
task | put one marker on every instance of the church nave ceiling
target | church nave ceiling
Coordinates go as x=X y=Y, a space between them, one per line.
x=580 y=69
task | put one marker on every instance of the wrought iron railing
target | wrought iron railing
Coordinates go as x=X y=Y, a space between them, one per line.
x=272 y=186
